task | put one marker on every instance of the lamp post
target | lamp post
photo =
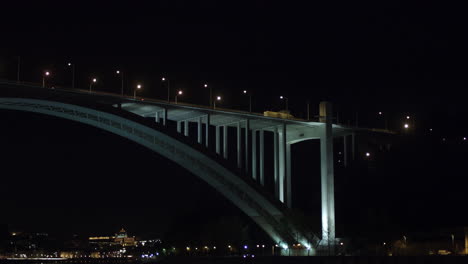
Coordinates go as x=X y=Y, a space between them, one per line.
x=218 y=98
x=178 y=93
x=250 y=100
x=72 y=65
x=286 y=99
x=164 y=79
x=211 y=92
x=94 y=80
x=118 y=72
x=46 y=74
x=134 y=91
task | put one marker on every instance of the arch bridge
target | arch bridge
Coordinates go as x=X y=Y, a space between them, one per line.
x=169 y=134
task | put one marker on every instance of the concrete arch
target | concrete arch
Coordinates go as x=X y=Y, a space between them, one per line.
x=268 y=215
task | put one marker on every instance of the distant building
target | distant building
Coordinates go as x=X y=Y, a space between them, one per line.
x=120 y=238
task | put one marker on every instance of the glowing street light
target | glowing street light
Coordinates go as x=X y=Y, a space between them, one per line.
x=118 y=72
x=178 y=93
x=407 y=117
x=218 y=98
x=286 y=99
x=211 y=93
x=250 y=99
x=46 y=74
x=72 y=65
x=164 y=79
x=406 y=126
x=367 y=154
x=94 y=80
x=138 y=87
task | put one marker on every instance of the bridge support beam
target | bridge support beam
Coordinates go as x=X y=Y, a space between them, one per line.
x=262 y=157
x=207 y=131
x=156 y=117
x=239 y=146
x=225 y=141
x=254 y=155
x=200 y=133
x=218 y=143
x=327 y=176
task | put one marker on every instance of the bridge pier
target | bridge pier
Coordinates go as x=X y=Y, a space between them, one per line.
x=199 y=128
x=156 y=117
x=254 y=155
x=218 y=143
x=246 y=145
x=164 y=116
x=186 y=128
x=207 y=130
x=276 y=163
x=282 y=161
x=179 y=127
x=225 y=141
x=288 y=177
x=327 y=176
x=262 y=158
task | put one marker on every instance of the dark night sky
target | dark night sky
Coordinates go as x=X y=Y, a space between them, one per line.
x=399 y=57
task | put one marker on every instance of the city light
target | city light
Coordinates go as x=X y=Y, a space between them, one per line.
x=380 y=113
x=406 y=125
x=118 y=72
x=407 y=117
x=163 y=79
x=367 y=154
x=69 y=64
x=245 y=91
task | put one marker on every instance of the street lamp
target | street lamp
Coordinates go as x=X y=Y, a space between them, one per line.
x=138 y=87
x=164 y=79
x=118 y=72
x=406 y=126
x=72 y=65
x=94 y=80
x=286 y=99
x=211 y=94
x=367 y=154
x=178 y=93
x=250 y=99
x=46 y=74
x=218 y=98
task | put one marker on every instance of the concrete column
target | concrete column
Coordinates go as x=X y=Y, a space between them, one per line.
x=218 y=145
x=262 y=158
x=276 y=162
x=246 y=145
x=254 y=155
x=345 y=151
x=186 y=128
x=164 y=116
x=179 y=127
x=282 y=161
x=207 y=131
x=156 y=117
x=288 y=176
x=327 y=175
x=239 y=146
x=225 y=141
x=200 y=128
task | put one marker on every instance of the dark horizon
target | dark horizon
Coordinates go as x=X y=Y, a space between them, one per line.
x=399 y=58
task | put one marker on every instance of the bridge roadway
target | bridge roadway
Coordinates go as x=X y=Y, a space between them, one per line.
x=268 y=209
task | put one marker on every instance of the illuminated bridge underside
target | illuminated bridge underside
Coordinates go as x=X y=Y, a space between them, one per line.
x=264 y=212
